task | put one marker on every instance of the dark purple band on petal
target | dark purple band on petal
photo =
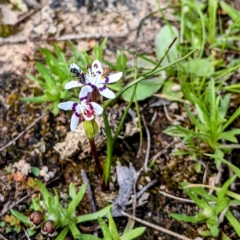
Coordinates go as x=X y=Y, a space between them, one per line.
x=102 y=88
x=74 y=107
x=77 y=114
x=98 y=72
x=90 y=105
x=95 y=65
x=107 y=80
x=92 y=86
x=83 y=98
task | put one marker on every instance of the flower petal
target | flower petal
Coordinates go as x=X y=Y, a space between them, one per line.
x=67 y=105
x=73 y=84
x=103 y=90
x=74 y=121
x=88 y=118
x=97 y=108
x=97 y=68
x=112 y=78
x=83 y=95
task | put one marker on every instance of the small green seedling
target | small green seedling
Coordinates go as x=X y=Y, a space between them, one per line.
x=64 y=219
x=210 y=122
x=52 y=79
x=213 y=208
x=110 y=231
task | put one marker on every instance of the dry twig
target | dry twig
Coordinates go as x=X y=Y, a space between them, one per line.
x=155 y=227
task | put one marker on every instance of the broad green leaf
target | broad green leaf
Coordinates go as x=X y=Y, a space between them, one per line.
x=145 y=89
x=164 y=38
x=35 y=171
x=106 y=233
x=198 y=67
x=17 y=229
x=74 y=203
x=169 y=94
x=20 y=216
x=132 y=234
x=112 y=227
x=31 y=231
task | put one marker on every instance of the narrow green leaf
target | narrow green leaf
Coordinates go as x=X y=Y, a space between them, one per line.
x=202 y=111
x=192 y=219
x=112 y=227
x=132 y=234
x=229 y=135
x=233 y=221
x=89 y=237
x=62 y=234
x=74 y=230
x=224 y=103
x=38 y=99
x=233 y=14
x=221 y=194
x=20 y=216
x=193 y=119
x=106 y=233
x=74 y=203
x=46 y=75
x=72 y=191
x=231 y=119
x=36 y=206
x=93 y=216
x=35 y=79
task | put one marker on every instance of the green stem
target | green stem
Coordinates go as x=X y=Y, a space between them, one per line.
x=123 y=117
x=107 y=166
x=152 y=72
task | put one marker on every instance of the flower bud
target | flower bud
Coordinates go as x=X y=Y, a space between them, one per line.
x=48 y=227
x=36 y=217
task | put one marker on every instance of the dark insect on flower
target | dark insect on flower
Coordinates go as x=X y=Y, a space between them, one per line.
x=78 y=73
x=36 y=217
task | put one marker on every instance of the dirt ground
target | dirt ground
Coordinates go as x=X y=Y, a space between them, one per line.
x=51 y=21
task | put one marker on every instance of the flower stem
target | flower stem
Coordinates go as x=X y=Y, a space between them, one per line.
x=95 y=157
